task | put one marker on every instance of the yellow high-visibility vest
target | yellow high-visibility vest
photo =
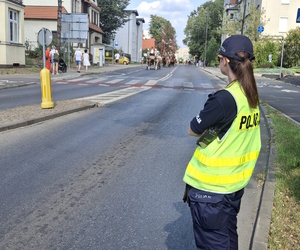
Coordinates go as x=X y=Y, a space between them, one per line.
x=226 y=165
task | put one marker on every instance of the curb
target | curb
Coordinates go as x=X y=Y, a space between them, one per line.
x=45 y=118
x=261 y=229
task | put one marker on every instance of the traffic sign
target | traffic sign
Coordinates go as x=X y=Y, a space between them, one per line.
x=298 y=16
x=116 y=44
x=44 y=36
x=260 y=29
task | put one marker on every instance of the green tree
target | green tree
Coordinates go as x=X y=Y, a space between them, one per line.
x=207 y=17
x=212 y=48
x=112 y=17
x=161 y=29
x=292 y=48
x=255 y=18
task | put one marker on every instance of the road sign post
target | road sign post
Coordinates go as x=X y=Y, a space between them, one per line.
x=260 y=29
x=44 y=38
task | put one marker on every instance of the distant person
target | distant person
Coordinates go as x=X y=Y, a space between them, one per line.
x=48 y=59
x=152 y=51
x=54 y=59
x=78 y=59
x=86 y=60
x=117 y=57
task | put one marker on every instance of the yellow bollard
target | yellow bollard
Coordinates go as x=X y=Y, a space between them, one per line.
x=46 y=89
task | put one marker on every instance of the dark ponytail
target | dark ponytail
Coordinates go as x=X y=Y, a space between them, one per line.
x=244 y=73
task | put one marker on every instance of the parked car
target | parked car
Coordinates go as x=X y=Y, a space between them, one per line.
x=123 y=60
x=128 y=56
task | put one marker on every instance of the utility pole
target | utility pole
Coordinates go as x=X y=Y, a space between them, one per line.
x=59 y=7
x=243 y=17
x=206 y=38
x=244 y=14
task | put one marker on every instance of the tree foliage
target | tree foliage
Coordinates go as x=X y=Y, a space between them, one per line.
x=212 y=47
x=112 y=17
x=292 y=48
x=161 y=29
x=232 y=26
x=207 y=17
x=263 y=49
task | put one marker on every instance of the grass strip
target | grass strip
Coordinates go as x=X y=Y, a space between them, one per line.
x=285 y=221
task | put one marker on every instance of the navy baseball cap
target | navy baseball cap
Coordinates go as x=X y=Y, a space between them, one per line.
x=235 y=44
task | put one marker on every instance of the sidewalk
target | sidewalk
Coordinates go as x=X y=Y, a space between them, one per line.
x=255 y=215
x=27 y=115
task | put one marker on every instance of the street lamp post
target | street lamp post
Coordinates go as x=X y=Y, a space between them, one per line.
x=113 y=47
x=244 y=14
x=205 y=39
x=198 y=41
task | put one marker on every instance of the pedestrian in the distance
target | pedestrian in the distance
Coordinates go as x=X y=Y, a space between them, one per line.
x=117 y=57
x=54 y=60
x=48 y=59
x=78 y=59
x=229 y=143
x=86 y=60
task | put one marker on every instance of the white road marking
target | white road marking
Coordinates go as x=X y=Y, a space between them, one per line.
x=115 y=81
x=113 y=96
x=80 y=79
x=132 y=82
x=100 y=79
x=151 y=82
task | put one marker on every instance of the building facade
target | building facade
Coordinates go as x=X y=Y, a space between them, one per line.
x=183 y=53
x=43 y=14
x=280 y=14
x=129 y=38
x=12 y=49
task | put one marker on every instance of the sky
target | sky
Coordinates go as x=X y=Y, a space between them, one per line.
x=175 y=11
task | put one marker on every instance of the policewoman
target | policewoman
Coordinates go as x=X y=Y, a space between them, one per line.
x=228 y=148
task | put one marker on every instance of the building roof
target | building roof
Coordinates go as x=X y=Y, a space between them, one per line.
x=16 y=1
x=133 y=11
x=42 y=12
x=96 y=28
x=148 y=43
x=140 y=19
x=92 y=4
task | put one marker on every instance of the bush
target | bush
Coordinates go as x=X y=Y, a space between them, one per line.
x=292 y=48
x=262 y=50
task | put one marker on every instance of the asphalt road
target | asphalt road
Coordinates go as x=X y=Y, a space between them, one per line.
x=52 y=170
x=106 y=178
x=280 y=95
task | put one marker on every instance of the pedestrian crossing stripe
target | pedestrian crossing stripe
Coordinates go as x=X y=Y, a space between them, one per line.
x=104 y=81
x=132 y=82
x=79 y=79
x=96 y=80
x=115 y=81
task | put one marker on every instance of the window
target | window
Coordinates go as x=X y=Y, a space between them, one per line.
x=13 y=26
x=283 y=24
x=285 y=1
x=94 y=18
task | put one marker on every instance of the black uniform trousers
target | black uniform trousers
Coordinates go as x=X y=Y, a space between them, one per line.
x=215 y=219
